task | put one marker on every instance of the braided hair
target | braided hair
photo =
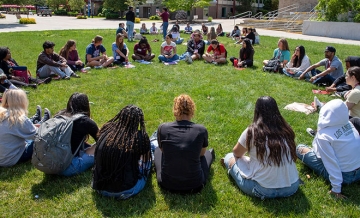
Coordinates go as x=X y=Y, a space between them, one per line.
x=125 y=142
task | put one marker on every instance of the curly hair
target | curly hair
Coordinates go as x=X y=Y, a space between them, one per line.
x=183 y=105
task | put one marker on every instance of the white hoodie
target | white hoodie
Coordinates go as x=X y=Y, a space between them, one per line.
x=337 y=142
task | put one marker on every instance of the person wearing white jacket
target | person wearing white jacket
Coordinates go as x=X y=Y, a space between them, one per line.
x=335 y=148
x=298 y=63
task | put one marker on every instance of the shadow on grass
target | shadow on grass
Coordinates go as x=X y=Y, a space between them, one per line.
x=54 y=185
x=200 y=203
x=14 y=172
x=135 y=205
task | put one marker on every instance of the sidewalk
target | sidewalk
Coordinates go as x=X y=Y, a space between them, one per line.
x=11 y=24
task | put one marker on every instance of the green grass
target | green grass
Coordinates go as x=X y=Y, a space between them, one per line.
x=153 y=87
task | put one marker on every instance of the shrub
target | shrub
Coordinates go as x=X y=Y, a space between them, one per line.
x=2 y=16
x=81 y=17
x=61 y=12
x=357 y=18
x=72 y=14
x=137 y=20
x=27 y=21
x=154 y=17
x=111 y=15
x=210 y=19
x=100 y=15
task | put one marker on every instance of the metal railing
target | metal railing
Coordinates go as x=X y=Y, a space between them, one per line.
x=257 y=16
x=312 y=12
x=281 y=11
x=242 y=15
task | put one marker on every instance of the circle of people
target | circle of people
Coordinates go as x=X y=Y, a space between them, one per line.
x=262 y=162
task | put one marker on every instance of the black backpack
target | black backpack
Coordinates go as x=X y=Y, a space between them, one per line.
x=272 y=66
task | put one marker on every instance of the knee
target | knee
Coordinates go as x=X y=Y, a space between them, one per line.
x=302 y=149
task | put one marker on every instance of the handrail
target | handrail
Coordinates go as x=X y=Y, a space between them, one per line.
x=258 y=15
x=281 y=11
x=297 y=16
x=244 y=14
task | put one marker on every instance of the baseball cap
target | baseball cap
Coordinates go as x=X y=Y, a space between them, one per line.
x=330 y=49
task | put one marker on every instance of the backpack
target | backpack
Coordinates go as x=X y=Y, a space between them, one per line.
x=273 y=65
x=52 y=146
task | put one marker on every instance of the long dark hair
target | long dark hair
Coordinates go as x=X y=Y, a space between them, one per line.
x=64 y=51
x=247 y=51
x=298 y=60
x=78 y=103
x=270 y=134
x=125 y=140
x=3 y=52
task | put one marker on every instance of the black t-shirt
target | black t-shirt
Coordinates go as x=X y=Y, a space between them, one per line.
x=251 y=36
x=82 y=127
x=181 y=143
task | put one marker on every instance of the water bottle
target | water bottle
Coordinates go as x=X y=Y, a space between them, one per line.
x=236 y=63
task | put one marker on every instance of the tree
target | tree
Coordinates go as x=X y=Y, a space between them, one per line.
x=115 y=5
x=56 y=3
x=76 y=4
x=332 y=8
x=186 y=5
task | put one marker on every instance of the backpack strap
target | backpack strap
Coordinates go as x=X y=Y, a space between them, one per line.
x=74 y=118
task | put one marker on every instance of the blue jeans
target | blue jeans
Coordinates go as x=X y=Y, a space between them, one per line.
x=252 y=188
x=27 y=154
x=130 y=27
x=47 y=70
x=165 y=27
x=79 y=164
x=164 y=59
x=313 y=162
x=179 y=41
x=130 y=192
x=296 y=74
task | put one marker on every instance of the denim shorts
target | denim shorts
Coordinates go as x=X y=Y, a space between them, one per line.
x=253 y=188
x=79 y=164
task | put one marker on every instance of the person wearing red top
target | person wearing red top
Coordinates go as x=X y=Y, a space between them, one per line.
x=219 y=53
x=165 y=18
x=142 y=51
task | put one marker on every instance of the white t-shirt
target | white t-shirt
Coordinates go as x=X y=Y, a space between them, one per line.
x=354 y=97
x=305 y=63
x=168 y=48
x=267 y=176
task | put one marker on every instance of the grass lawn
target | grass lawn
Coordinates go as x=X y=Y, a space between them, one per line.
x=227 y=112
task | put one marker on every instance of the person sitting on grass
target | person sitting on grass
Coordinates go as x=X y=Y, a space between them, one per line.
x=219 y=53
x=333 y=69
x=248 y=35
x=176 y=35
x=154 y=30
x=122 y=155
x=143 y=29
x=78 y=103
x=182 y=161
x=70 y=53
x=5 y=84
x=120 y=50
x=168 y=50
x=246 y=55
x=335 y=148
x=49 y=62
x=219 y=30
x=339 y=86
x=188 y=29
x=142 y=51
x=298 y=63
x=195 y=48
x=269 y=170
x=235 y=33
x=93 y=57
x=204 y=29
x=282 y=53
x=17 y=131
x=8 y=65
x=353 y=96
x=122 y=30
x=211 y=35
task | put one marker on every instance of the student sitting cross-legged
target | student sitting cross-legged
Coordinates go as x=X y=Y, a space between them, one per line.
x=122 y=155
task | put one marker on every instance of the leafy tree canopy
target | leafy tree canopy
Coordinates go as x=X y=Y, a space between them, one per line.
x=186 y=5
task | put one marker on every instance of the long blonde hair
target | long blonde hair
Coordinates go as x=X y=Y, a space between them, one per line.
x=120 y=45
x=14 y=106
x=64 y=51
x=212 y=34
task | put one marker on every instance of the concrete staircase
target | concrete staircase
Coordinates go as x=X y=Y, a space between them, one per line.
x=291 y=22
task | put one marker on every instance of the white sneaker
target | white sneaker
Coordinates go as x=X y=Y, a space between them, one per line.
x=189 y=59
x=317 y=103
x=311 y=132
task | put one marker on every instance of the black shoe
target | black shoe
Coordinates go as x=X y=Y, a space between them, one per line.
x=212 y=151
x=47 y=80
x=75 y=75
x=47 y=115
x=37 y=116
x=34 y=86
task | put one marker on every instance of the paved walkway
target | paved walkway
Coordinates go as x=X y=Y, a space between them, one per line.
x=11 y=24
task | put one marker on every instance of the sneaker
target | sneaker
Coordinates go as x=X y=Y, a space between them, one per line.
x=47 y=80
x=212 y=151
x=75 y=75
x=317 y=103
x=83 y=71
x=190 y=60
x=34 y=86
x=56 y=78
x=98 y=67
x=37 y=116
x=47 y=115
x=87 y=68
x=66 y=77
x=215 y=63
x=311 y=132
